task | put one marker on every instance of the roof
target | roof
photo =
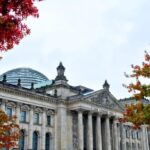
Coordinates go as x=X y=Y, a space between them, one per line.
x=26 y=75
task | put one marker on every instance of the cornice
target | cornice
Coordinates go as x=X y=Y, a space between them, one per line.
x=92 y=103
x=26 y=93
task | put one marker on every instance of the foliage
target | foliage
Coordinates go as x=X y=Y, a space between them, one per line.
x=139 y=113
x=9 y=131
x=12 y=15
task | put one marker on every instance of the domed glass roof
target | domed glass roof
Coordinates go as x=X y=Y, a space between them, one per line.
x=27 y=76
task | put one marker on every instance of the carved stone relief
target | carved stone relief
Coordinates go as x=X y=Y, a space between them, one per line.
x=104 y=99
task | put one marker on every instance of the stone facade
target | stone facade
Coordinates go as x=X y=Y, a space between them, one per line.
x=63 y=117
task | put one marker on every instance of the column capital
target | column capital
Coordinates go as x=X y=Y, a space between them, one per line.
x=90 y=112
x=80 y=110
x=101 y=114
x=109 y=116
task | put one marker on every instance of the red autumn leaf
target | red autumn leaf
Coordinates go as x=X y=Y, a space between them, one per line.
x=12 y=15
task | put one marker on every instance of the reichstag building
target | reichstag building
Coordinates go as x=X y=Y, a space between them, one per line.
x=54 y=115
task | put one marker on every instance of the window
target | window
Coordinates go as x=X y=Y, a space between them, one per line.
x=138 y=135
x=133 y=135
x=23 y=116
x=36 y=118
x=47 y=141
x=35 y=141
x=48 y=120
x=22 y=140
x=9 y=111
x=127 y=133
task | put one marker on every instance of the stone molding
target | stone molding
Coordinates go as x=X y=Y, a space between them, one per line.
x=27 y=93
x=10 y=104
x=25 y=107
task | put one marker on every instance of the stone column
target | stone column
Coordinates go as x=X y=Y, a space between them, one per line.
x=108 y=137
x=116 y=136
x=136 y=141
x=90 y=132
x=43 y=129
x=98 y=133
x=123 y=137
x=30 y=132
x=147 y=142
x=17 y=114
x=69 y=127
x=144 y=138
x=130 y=138
x=80 y=130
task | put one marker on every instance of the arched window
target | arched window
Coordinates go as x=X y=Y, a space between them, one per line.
x=47 y=141
x=35 y=141
x=22 y=140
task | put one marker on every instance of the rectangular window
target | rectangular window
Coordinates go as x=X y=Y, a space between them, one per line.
x=133 y=135
x=138 y=135
x=9 y=111
x=127 y=133
x=48 y=120
x=23 y=116
x=36 y=118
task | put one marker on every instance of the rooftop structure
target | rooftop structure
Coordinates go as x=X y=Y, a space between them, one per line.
x=26 y=76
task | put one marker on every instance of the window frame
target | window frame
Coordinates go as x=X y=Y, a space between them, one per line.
x=11 y=112
x=49 y=120
x=36 y=118
x=24 y=117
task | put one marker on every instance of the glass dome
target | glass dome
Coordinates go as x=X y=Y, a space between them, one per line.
x=27 y=76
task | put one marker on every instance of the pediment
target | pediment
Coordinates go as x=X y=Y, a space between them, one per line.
x=104 y=98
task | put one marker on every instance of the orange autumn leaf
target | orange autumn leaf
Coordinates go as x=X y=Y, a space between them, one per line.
x=139 y=113
x=9 y=131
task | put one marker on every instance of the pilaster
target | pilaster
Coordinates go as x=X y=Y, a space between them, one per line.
x=43 y=129
x=18 y=112
x=30 y=135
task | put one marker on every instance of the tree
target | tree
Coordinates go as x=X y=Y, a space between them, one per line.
x=9 y=131
x=139 y=114
x=12 y=15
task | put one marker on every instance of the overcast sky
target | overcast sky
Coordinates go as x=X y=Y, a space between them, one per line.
x=95 y=40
